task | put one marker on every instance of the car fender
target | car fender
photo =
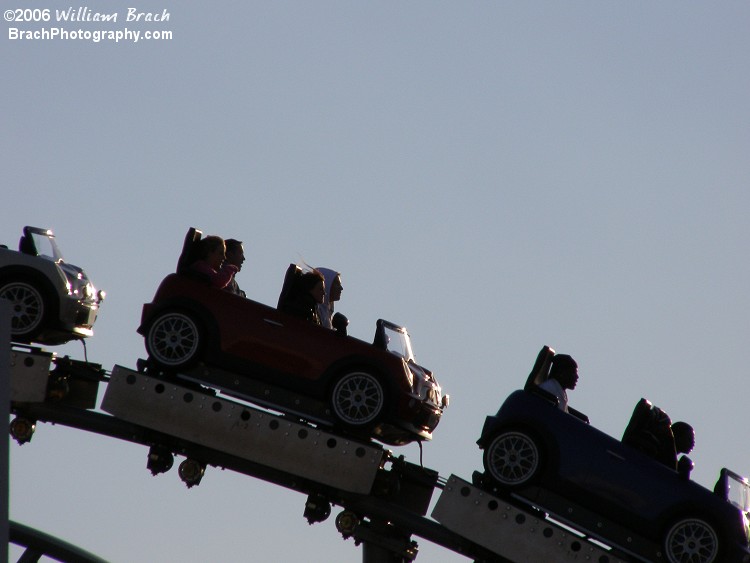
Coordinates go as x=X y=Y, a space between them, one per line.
x=28 y=262
x=490 y=422
x=189 y=306
x=719 y=521
x=357 y=362
x=53 y=285
x=549 y=449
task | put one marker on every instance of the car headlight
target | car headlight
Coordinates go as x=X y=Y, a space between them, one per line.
x=78 y=289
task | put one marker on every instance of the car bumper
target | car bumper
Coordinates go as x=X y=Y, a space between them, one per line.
x=418 y=425
x=76 y=319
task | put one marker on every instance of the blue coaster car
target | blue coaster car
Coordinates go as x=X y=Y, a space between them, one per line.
x=615 y=491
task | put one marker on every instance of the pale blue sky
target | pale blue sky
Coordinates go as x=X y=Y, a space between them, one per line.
x=496 y=176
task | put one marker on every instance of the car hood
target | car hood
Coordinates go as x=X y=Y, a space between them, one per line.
x=73 y=272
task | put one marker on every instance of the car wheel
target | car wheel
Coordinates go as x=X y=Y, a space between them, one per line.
x=512 y=458
x=358 y=399
x=692 y=540
x=29 y=308
x=174 y=340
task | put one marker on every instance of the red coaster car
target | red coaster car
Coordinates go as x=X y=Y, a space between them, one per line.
x=255 y=352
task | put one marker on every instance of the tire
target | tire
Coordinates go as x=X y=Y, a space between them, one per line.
x=30 y=308
x=358 y=399
x=174 y=340
x=692 y=540
x=512 y=459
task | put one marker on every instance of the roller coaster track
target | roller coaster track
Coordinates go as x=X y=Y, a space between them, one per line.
x=384 y=499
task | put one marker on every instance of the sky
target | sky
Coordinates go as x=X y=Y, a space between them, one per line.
x=495 y=176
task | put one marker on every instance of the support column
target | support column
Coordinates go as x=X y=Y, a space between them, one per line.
x=4 y=440
x=384 y=543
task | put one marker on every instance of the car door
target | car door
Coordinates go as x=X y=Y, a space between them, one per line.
x=275 y=341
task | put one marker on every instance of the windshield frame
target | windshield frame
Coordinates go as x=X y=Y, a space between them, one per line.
x=44 y=243
x=394 y=339
x=736 y=489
